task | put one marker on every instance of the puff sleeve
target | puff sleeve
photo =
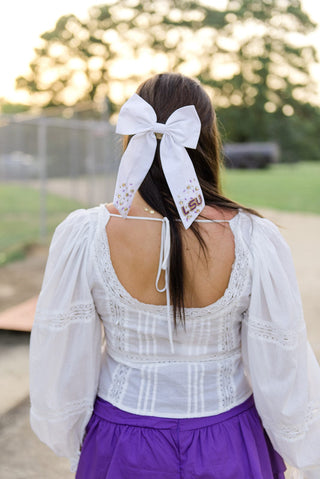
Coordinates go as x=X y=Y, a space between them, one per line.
x=282 y=369
x=65 y=346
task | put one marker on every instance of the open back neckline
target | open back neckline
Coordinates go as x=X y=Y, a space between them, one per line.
x=150 y=218
x=123 y=294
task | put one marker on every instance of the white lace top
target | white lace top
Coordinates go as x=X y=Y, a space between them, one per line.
x=251 y=339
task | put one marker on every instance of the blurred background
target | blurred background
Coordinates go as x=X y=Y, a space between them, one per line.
x=68 y=66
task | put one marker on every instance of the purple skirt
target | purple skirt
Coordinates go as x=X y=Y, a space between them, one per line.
x=231 y=445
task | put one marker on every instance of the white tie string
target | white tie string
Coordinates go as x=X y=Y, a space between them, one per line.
x=164 y=252
x=164 y=265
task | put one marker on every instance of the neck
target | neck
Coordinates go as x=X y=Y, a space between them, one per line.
x=140 y=207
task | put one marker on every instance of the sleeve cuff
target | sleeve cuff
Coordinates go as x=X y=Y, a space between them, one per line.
x=74 y=461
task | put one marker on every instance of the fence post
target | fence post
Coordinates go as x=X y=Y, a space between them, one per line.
x=90 y=164
x=42 y=155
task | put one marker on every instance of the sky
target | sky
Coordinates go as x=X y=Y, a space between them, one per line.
x=22 y=22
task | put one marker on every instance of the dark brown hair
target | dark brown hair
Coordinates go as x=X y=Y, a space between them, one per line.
x=166 y=93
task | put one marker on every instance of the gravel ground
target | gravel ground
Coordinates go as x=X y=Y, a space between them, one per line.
x=22 y=455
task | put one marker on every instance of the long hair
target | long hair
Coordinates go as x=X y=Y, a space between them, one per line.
x=166 y=93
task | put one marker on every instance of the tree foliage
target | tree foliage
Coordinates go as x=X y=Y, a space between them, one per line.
x=252 y=57
x=7 y=108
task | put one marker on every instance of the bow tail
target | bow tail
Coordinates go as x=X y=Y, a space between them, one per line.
x=182 y=180
x=134 y=166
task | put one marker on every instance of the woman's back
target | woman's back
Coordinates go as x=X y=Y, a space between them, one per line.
x=135 y=249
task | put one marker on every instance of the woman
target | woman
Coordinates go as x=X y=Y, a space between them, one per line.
x=200 y=309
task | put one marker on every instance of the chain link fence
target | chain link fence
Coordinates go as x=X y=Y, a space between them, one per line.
x=72 y=158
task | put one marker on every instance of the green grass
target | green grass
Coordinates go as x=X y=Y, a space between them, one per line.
x=288 y=187
x=20 y=219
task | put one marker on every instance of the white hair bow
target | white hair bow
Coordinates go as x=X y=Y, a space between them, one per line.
x=181 y=130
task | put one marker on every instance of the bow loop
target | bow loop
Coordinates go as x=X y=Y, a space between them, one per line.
x=184 y=126
x=136 y=116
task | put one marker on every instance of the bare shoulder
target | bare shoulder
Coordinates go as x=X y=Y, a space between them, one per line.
x=132 y=234
x=216 y=213
x=111 y=208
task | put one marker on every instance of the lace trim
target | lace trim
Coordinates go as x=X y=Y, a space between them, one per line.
x=295 y=432
x=79 y=313
x=226 y=384
x=119 y=380
x=118 y=332
x=268 y=332
x=239 y=276
x=233 y=355
x=227 y=366
x=67 y=410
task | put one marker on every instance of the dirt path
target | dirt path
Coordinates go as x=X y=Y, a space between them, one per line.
x=22 y=455
x=302 y=233
x=21 y=280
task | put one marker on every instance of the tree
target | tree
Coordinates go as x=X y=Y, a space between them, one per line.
x=270 y=83
x=117 y=46
x=252 y=57
x=7 y=108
